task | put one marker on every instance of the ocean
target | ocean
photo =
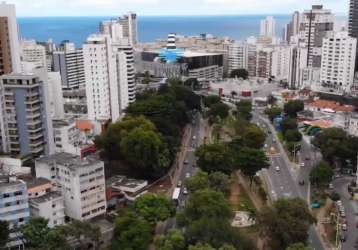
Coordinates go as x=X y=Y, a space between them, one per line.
x=77 y=29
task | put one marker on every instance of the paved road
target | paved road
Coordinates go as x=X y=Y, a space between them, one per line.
x=196 y=139
x=351 y=209
x=284 y=183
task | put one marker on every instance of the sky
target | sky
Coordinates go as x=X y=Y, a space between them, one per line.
x=169 y=7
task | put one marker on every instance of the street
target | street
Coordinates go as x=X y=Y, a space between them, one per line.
x=284 y=182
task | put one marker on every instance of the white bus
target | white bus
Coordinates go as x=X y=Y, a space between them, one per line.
x=176 y=194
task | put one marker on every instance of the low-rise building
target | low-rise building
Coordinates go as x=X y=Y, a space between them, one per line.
x=14 y=207
x=81 y=181
x=353 y=124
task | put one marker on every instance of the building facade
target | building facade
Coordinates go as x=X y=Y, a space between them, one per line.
x=353 y=24
x=81 y=182
x=14 y=207
x=338 y=62
x=237 y=56
x=25 y=121
x=68 y=60
x=268 y=27
x=9 y=40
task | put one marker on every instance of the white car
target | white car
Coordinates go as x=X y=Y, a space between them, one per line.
x=277 y=168
x=185 y=191
x=344 y=227
x=302 y=164
x=187 y=175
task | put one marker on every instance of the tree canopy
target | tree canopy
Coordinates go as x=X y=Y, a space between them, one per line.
x=131 y=232
x=215 y=180
x=298 y=246
x=215 y=157
x=220 y=110
x=239 y=73
x=154 y=208
x=244 y=108
x=273 y=112
x=211 y=99
x=292 y=107
x=173 y=240
x=321 y=174
x=4 y=233
x=254 y=137
x=286 y=223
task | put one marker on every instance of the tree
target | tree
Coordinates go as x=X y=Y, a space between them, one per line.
x=201 y=246
x=293 y=135
x=244 y=108
x=298 y=246
x=154 y=208
x=286 y=223
x=131 y=232
x=239 y=73
x=292 y=107
x=321 y=175
x=335 y=144
x=39 y=236
x=254 y=137
x=273 y=112
x=250 y=161
x=146 y=151
x=4 y=233
x=193 y=83
x=289 y=124
x=211 y=99
x=215 y=180
x=173 y=240
x=208 y=204
x=83 y=232
x=219 y=110
x=215 y=157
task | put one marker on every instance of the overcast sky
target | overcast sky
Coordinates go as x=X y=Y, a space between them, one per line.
x=168 y=7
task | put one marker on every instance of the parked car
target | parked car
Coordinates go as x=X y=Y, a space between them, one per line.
x=185 y=191
x=187 y=175
x=179 y=184
x=277 y=168
x=344 y=227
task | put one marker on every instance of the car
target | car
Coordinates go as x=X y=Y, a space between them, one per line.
x=187 y=175
x=344 y=227
x=186 y=162
x=357 y=225
x=185 y=191
x=343 y=214
x=302 y=164
x=343 y=237
x=269 y=131
x=179 y=184
x=265 y=145
x=277 y=168
x=330 y=186
x=274 y=140
x=307 y=158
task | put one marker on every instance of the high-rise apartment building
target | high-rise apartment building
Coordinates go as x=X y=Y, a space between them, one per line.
x=297 y=63
x=315 y=24
x=24 y=115
x=69 y=62
x=81 y=182
x=268 y=27
x=338 y=61
x=264 y=62
x=280 y=62
x=14 y=207
x=9 y=40
x=237 y=56
x=353 y=24
x=251 y=59
x=293 y=27
x=129 y=24
x=33 y=55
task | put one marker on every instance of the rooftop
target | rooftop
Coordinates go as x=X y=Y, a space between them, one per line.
x=335 y=106
x=37 y=182
x=123 y=181
x=47 y=197
x=69 y=160
x=187 y=53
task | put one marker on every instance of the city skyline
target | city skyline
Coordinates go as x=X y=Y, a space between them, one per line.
x=164 y=8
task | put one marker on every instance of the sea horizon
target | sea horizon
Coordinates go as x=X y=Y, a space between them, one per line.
x=77 y=28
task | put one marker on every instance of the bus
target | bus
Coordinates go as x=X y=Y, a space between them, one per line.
x=176 y=194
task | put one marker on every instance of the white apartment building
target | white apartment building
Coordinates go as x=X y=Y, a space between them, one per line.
x=69 y=62
x=252 y=59
x=280 y=62
x=56 y=99
x=81 y=181
x=338 y=62
x=237 y=56
x=32 y=53
x=45 y=202
x=268 y=27
x=14 y=207
x=130 y=27
x=101 y=79
x=296 y=65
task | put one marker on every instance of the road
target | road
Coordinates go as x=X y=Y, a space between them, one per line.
x=284 y=183
x=189 y=167
x=351 y=209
